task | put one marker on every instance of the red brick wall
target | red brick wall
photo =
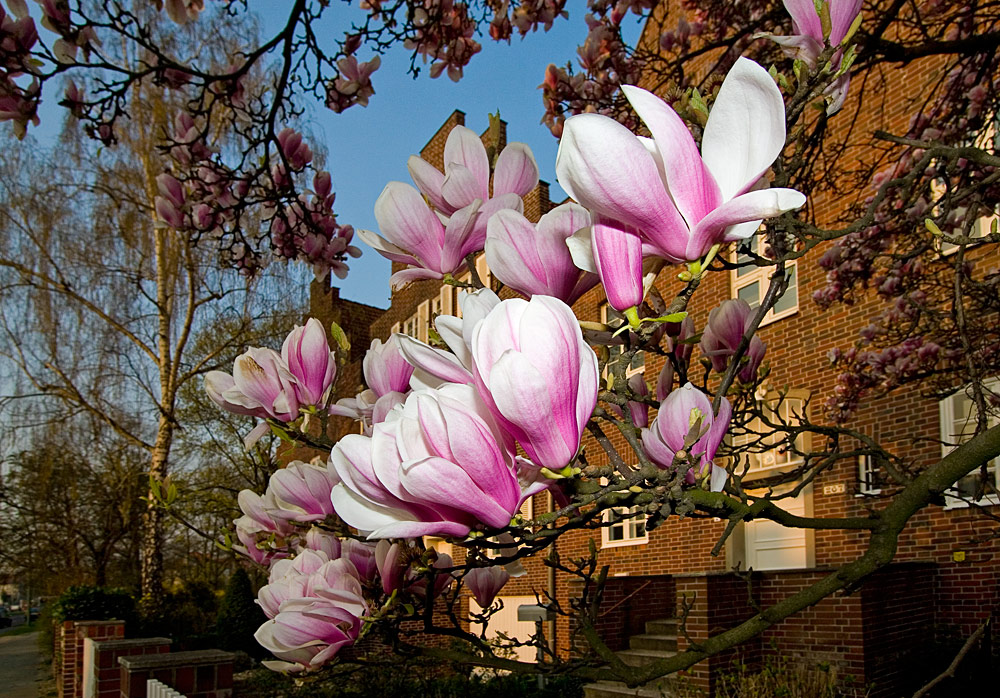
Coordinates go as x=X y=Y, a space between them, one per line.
x=627 y=604
x=70 y=635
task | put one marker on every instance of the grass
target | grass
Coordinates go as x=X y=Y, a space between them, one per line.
x=20 y=630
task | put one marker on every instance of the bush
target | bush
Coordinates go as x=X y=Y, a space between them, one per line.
x=94 y=603
x=239 y=617
x=783 y=678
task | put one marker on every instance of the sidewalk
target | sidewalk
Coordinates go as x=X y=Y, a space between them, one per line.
x=19 y=660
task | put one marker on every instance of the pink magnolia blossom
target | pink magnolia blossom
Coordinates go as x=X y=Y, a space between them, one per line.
x=390 y=565
x=301 y=492
x=413 y=234
x=322 y=541
x=438 y=465
x=466 y=176
x=807 y=41
x=257 y=529
x=681 y=202
x=315 y=606
x=261 y=386
x=537 y=375
x=353 y=84
x=725 y=329
x=613 y=251
x=677 y=415
x=385 y=368
x=535 y=259
x=362 y=556
x=485 y=583
x=307 y=354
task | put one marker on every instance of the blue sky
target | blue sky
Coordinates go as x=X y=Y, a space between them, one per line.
x=368 y=147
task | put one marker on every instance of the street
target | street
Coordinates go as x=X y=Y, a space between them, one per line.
x=19 y=659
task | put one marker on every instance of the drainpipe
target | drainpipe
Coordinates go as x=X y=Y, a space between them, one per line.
x=552 y=581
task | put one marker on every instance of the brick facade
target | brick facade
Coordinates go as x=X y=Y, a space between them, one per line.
x=943 y=582
x=68 y=657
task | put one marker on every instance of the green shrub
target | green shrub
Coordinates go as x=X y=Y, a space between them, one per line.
x=239 y=617
x=94 y=603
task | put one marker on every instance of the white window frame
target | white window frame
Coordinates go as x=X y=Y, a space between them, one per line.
x=605 y=310
x=983 y=225
x=629 y=527
x=947 y=420
x=774 y=461
x=867 y=477
x=750 y=274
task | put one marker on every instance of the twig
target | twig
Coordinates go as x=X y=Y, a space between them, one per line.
x=950 y=671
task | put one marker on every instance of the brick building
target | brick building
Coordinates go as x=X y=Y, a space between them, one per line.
x=940 y=586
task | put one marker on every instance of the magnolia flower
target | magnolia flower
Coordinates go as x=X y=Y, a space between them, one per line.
x=534 y=259
x=438 y=465
x=388 y=373
x=723 y=333
x=613 y=251
x=309 y=359
x=807 y=41
x=257 y=526
x=386 y=369
x=681 y=202
x=537 y=375
x=678 y=414
x=485 y=583
x=315 y=607
x=434 y=366
x=261 y=386
x=466 y=176
x=412 y=234
x=301 y=492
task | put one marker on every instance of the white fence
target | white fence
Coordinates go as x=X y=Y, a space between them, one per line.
x=157 y=689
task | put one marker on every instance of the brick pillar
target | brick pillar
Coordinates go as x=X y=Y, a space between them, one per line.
x=69 y=674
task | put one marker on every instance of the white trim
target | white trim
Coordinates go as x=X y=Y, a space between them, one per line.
x=748 y=275
x=867 y=478
x=947 y=419
x=628 y=527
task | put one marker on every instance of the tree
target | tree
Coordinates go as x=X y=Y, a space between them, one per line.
x=910 y=191
x=435 y=456
x=71 y=509
x=116 y=300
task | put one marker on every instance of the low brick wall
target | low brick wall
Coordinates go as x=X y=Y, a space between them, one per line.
x=196 y=674
x=101 y=673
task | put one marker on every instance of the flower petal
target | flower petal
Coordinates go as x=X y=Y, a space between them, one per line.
x=465 y=148
x=689 y=182
x=745 y=130
x=407 y=222
x=429 y=180
x=606 y=169
x=516 y=171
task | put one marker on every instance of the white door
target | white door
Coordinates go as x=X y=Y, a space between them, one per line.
x=771 y=546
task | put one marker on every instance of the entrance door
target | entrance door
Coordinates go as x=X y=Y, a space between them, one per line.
x=771 y=546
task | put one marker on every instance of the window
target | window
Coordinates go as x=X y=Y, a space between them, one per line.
x=611 y=317
x=869 y=481
x=769 y=451
x=750 y=282
x=628 y=527
x=983 y=225
x=958 y=424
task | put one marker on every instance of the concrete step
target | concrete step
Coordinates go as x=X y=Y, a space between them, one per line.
x=637 y=657
x=664 y=626
x=616 y=689
x=664 y=643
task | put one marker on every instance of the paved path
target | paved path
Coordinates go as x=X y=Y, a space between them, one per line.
x=19 y=659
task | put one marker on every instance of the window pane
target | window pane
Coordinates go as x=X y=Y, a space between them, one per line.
x=743 y=258
x=790 y=300
x=750 y=293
